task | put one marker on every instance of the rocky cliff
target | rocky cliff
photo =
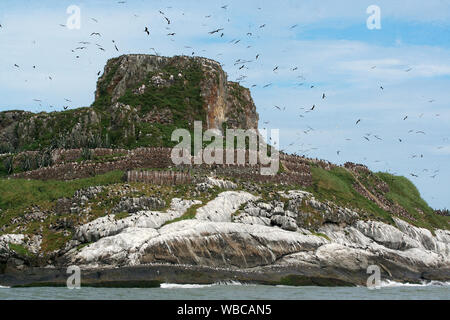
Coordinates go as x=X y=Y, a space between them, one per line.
x=117 y=207
x=214 y=230
x=139 y=101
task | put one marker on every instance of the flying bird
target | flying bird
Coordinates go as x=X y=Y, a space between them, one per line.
x=147 y=31
x=359 y=120
x=96 y=34
x=215 y=31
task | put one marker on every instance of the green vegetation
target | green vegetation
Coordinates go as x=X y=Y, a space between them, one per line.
x=104 y=98
x=21 y=193
x=188 y=215
x=336 y=185
x=405 y=193
x=181 y=96
x=318 y=234
x=121 y=215
x=100 y=127
x=20 y=250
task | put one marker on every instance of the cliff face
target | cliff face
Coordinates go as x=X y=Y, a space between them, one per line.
x=139 y=101
x=235 y=235
x=148 y=76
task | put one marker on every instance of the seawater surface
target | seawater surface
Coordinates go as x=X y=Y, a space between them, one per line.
x=235 y=291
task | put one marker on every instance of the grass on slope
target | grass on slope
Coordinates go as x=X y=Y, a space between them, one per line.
x=337 y=185
x=16 y=195
x=405 y=193
x=21 y=193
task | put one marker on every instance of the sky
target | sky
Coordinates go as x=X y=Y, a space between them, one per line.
x=319 y=48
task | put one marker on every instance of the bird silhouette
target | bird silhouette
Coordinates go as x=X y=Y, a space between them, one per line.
x=215 y=31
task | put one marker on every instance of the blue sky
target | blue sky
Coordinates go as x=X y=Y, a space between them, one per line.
x=330 y=45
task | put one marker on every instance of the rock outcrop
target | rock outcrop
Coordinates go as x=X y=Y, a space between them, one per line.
x=238 y=235
x=140 y=99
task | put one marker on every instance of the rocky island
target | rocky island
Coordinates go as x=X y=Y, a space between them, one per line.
x=95 y=187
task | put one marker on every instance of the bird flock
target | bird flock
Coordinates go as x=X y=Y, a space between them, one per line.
x=240 y=66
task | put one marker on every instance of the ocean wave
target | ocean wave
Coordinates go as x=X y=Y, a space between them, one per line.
x=197 y=286
x=2 y=287
x=390 y=284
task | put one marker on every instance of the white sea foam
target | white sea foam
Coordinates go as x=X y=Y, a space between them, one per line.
x=197 y=286
x=184 y=286
x=2 y=287
x=389 y=283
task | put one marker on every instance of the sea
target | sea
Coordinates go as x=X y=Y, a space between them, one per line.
x=236 y=291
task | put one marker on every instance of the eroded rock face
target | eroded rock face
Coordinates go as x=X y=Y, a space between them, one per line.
x=109 y=226
x=265 y=237
x=202 y=93
x=223 y=101
x=240 y=232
